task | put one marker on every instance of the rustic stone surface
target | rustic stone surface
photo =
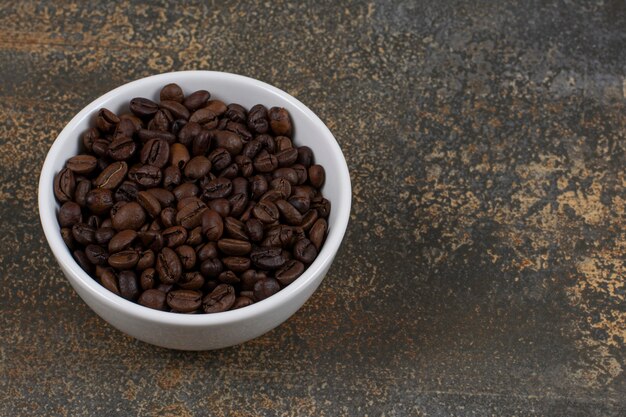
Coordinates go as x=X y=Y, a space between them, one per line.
x=483 y=270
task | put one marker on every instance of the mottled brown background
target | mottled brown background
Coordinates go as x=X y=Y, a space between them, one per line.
x=483 y=269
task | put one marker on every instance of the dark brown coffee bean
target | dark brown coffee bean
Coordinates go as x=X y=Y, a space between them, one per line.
x=241 y=302
x=230 y=171
x=240 y=185
x=176 y=109
x=103 y=235
x=148 y=279
x=68 y=239
x=174 y=236
x=168 y=217
x=129 y=216
x=172 y=92
x=196 y=99
x=236 y=113
x=279 y=236
x=258 y=186
x=93 y=221
x=190 y=216
x=149 y=203
x=228 y=277
x=186 y=190
x=165 y=197
x=254 y=229
x=289 y=272
x=220 y=158
x=161 y=121
x=146 y=260
x=267 y=258
x=108 y=279
x=280 y=122
x=197 y=167
x=250 y=277
x=238 y=203
x=155 y=152
x=168 y=266
x=281 y=185
x=172 y=177
x=146 y=135
x=289 y=213
x=207 y=251
x=265 y=288
x=317 y=233
x=203 y=116
x=237 y=264
x=302 y=174
x=323 y=208
x=201 y=143
x=64 y=185
x=266 y=211
x=252 y=148
x=122 y=148
x=187 y=256
x=112 y=175
x=99 y=200
x=194 y=237
x=228 y=140
x=126 y=259
x=106 y=120
x=127 y=191
x=258 y=120
x=151 y=239
x=211 y=268
x=221 y=206
x=96 y=254
x=191 y=281
x=265 y=162
x=220 y=299
x=317 y=175
x=234 y=246
x=146 y=175
x=83 y=233
x=217 y=106
x=122 y=240
x=304 y=251
x=135 y=121
x=283 y=143
x=302 y=204
x=212 y=225
x=267 y=142
x=235 y=228
x=240 y=129
x=287 y=157
x=89 y=137
x=217 y=188
x=305 y=156
x=166 y=288
x=153 y=298
x=129 y=285
x=82 y=164
x=143 y=108
x=184 y=301
x=188 y=133
x=309 y=219
x=271 y=195
x=69 y=214
x=100 y=148
x=80 y=193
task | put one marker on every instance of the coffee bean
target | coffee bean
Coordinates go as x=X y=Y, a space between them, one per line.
x=309 y=219
x=125 y=259
x=99 y=200
x=146 y=260
x=203 y=116
x=80 y=193
x=323 y=208
x=148 y=279
x=217 y=106
x=305 y=156
x=83 y=233
x=281 y=185
x=184 y=301
x=82 y=164
x=176 y=109
x=168 y=266
x=128 y=285
x=161 y=120
x=317 y=176
x=220 y=299
x=235 y=228
x=304 y=251
x=194 y=237
x=122 y=240
x=289 y=213
x=174 y=236
x=317 y=233
x=258 y=120
x=196 y=99
x=153 y=298
x=146 y=175
x=240 y=129
x=143 y=108
x=129 y=216
x=265 y=288
x=68 y=239
x=187 y=256
x=168 y=217
x=236 y=113
x=211 y=268
x=289 y=272
x=265 y=162
x=228 y=140
x=186 y=190
x=287 y=157
x=267 y=258
x=172 y=92
x=64 y=185
x=266 y=211
x=127 y=191
x=69 y=214
x=122 y=148
x=146 y=135
x=96 y=254
x=212 y=225
x=149 y=203
x=237 y=264
x=301 y=173
x=106 y=120
x=112 y=175
x=197 y=167
x=108 y=279
x=191 y=281
x=89 y=138
x=280 y=122
x=172 y=177
x=258 y=186
x=267 y=142
x=103 y=235
x=234 y=246
x=155 y=152
x=217 y=188
x=201 y=143
x=228 y=277
x=283 y=143
x=250 y=277
x=254 y=229
x=279 y=236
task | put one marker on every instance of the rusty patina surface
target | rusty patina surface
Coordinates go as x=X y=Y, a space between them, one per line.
x=483 y=272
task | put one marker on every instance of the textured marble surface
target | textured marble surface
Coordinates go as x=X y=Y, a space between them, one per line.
x=483 y=272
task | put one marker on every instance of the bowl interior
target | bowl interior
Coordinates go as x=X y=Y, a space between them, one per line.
x=308 y=130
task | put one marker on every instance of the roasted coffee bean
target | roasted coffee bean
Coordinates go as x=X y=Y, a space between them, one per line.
x=250 y=277
x=80 y=193
x=206 y=251
x=280 y=122
x=309 y=219
x=252 y=148
x=230 y=172
x=221 y=206
x=265 y=288
x=271 y=195
x=191 y=281
x=217 y=106
x=194 y=237
x=304 y=251
x=245 y=166
x=258 y=120
x=240 y=185
x=165 y=287
x=317 y=176
x=305 y=156
x=237 y=264
x=186 y=190
x=323 y=208
x=129 y=285
x=228 y=277
x=112 y=175
x=288 y=174
x=287 y=157
x=108 y=279
x=146 y=135
x=217 y=188
x=228 y=140
x=83 y=233
x=211 y=268
x=301 y=203
x=176 y=109
x=122 y=240
x=161 y=120
x=203 y=116
x=201 y=143
x=146 y=175
x=82 y=164
x=184 y=301
x=172 y=92
x=155 y=152
x=240 y=129
x=220 y=299
x=165 y=197
x=265 y=162
x=143 y=107
x=177 y=126
x=127 y=191
x=317 y=233
x=174 y=236
x=64 y=185
x=289 y=212
x=125 y=259
x=283 y=143
x=121 y=148
x=129 y=216
x=279 y=236
x=235 y=228
x=266 y=211
x=254 y=229
x=241 y=302
x=267 y=258
x=89 y=138
x=99 y=200
x=151 y=239
x=196 y=99
x=258 y=186
x=197 y=167
x=69 y=214
x=172 y=177
x=168 y=217
x=93 y=221
x=187 y=256
x=289 y=272
x=68 y=239
x=106 y=120
x=236 y=113
x=238 y=203
x=282 y=185
x=188 y=133
x=190 y=216
x=96 y=254
x=168 y=266
x=267 y=142
x=234 y=246
x=153 y=298
x=301 y=173
x=146 y=260
x=149 y=203
x=148 y=279
x=103 y=235
x=212 y=225
x=220 y=158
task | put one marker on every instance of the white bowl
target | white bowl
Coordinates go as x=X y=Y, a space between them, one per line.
x=201 y=331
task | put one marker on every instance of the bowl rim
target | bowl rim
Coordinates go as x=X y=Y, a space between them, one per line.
x=109 y=299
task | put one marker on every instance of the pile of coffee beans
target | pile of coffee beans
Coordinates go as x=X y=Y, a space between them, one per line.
x=192 y=205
